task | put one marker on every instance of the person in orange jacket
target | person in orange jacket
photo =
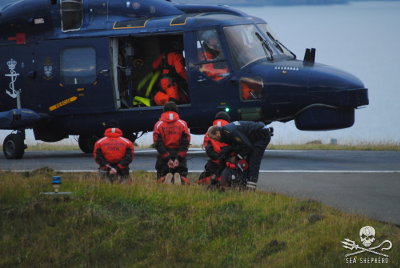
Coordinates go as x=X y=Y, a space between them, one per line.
x=214 y=150
x=211 y=70
x=173 y=76
x=212 y=51
x=171 y=139
x=113 y=153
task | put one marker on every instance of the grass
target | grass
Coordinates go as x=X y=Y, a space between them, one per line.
x=53 y=147
x=145 y=224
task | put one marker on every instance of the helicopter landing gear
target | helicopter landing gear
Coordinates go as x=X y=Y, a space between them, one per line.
x=133 y=136
x=14 y=146
x=86 y=143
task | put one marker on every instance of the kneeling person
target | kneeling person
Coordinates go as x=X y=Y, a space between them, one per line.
x=215 y=150
x=248 y=139
x=114 y=153
x=171 y=138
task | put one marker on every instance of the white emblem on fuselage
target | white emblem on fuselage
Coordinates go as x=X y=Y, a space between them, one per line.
x=48 y=71
x=12 y=92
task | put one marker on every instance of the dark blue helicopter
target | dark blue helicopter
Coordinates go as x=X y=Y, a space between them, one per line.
x=67 y=67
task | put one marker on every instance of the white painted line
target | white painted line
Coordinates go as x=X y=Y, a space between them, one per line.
x=151 y=151
x=261 y=171
x=201 y=151
x=329 y=171
x=312 y=171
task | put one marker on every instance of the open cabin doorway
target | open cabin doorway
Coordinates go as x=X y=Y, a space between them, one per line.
x=139 y=65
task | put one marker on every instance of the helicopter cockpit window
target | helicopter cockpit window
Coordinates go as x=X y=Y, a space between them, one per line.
x=71 y=15
x=78 y=66
x=210 y=51
x=244 y=44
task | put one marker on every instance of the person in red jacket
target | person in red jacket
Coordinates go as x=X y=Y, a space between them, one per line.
x=214 y=150
x=173 y=76
x=171 y=139
x=113 y=153
x=212 y=52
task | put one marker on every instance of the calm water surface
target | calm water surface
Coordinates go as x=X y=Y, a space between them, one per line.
x=361 y=38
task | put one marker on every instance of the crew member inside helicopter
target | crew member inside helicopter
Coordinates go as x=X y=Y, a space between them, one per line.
x=159 y=73
x=210 y=50
x=173 y=82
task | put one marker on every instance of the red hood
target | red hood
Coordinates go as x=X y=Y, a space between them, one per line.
x=113 y=132
x=169 y=117
x=220 y=122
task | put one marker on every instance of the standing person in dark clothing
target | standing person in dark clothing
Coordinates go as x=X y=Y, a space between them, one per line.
x=247 y=139
x=172 y=139
x=113 y=153
x=214 y=150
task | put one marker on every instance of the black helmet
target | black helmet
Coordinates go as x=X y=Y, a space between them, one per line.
x=112 y=124
x=223 y=115
x=170 y=107
x=210 y=38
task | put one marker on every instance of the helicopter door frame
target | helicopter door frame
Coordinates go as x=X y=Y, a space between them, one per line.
x=114 y=43
x=120 y=67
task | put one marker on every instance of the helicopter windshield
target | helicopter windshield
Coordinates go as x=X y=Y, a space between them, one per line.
x=249 y=43
x=275 y=43
x=244 y=44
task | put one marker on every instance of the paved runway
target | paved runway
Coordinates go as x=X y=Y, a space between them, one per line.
x=363 y=182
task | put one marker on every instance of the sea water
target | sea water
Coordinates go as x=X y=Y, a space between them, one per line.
x=362 y=38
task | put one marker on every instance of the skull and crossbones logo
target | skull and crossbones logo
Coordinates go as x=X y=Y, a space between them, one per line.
x=367 y=237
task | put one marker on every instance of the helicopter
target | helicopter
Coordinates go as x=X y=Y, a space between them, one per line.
x=67 y=67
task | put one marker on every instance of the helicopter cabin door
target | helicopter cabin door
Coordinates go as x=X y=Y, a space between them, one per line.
x=210 y=73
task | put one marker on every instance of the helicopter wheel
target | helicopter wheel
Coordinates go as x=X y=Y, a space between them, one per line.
x=86 y=143
x=133 y=136
x=13 y=146
x=130 y=136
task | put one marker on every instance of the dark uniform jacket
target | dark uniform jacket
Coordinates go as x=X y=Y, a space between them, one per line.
x=241 y=135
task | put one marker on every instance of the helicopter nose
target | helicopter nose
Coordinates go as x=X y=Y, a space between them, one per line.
x=335 y=87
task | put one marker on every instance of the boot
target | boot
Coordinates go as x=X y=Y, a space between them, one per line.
x=251 y=186
x=177 y=179
x=168 y=178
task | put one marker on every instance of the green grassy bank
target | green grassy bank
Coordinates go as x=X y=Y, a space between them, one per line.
x=145 y=224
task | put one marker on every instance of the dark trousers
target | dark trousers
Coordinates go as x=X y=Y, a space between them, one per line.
x=121 y=176
x=254 y=159
x=163 y=169
x=212 y=168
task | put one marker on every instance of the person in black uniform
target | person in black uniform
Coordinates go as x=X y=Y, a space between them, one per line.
x=249 y=139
